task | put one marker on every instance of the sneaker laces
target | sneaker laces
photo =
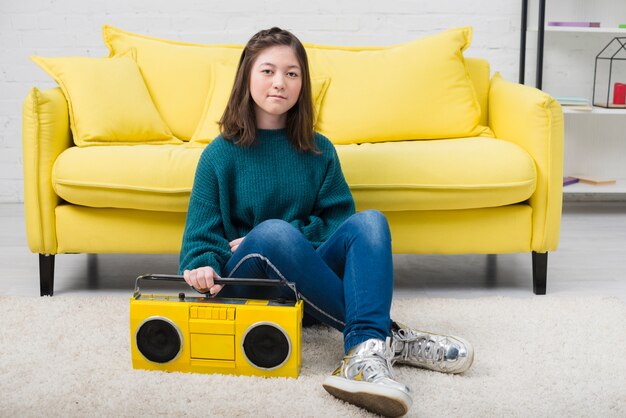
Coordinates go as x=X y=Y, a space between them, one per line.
x=420 y=346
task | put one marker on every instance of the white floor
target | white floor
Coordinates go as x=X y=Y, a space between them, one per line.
x=591 y=259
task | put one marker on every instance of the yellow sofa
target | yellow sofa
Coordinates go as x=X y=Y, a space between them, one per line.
x=460 y=162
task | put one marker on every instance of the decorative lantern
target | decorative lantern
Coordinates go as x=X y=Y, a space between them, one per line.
x=609 y=75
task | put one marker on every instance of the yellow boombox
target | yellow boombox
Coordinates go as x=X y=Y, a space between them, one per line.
x=216 y=335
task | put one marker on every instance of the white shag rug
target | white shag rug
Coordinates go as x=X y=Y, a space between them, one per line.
x=541 y=356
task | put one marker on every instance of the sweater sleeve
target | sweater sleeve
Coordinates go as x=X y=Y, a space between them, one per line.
x=334 y=204
x=204 y=242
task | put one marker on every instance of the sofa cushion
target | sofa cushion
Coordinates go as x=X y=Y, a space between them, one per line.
x=392 y=176
x=144 y=177
x=176 y=73
x=216 y=101
x=416 y=90
x=464 y=173
x=107 y=100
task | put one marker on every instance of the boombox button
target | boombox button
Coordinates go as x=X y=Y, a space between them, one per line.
x=181 y=296
x=256 y=302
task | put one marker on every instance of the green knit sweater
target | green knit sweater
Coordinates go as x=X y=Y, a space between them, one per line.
x=236 y=188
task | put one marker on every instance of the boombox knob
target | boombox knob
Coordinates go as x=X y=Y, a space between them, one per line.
x=181 y=296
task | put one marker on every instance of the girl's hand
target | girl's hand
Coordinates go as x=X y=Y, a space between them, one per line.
x=202 y=279
x=235 y=243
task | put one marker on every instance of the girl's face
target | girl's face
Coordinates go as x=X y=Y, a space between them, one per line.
x=275 y=84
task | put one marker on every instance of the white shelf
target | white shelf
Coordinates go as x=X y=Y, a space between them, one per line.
x=595 y=145
x=616 y=31
x=594 y=111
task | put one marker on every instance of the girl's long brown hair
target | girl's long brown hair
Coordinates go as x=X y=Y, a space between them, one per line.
x=238 y=122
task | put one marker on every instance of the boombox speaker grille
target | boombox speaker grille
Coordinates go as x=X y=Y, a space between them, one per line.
x=266 y=346
x=159 y=340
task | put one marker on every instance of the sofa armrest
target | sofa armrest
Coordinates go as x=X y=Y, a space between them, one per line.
x=534 y=120
x=45 y=134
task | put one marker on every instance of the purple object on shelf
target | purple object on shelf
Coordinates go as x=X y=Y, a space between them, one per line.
x=569 y=180
x=576 y=24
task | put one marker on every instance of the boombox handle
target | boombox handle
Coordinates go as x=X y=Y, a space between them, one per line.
x=222 y=280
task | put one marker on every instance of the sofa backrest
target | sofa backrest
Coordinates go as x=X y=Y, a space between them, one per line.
x=480 y=74
x=449 y=102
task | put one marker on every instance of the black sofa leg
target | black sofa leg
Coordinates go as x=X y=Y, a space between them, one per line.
x=540 y=272
x=46 y=274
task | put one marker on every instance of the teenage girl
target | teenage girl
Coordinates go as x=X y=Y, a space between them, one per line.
x=269 y=200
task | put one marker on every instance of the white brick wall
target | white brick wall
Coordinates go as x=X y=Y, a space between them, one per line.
x=73 y=27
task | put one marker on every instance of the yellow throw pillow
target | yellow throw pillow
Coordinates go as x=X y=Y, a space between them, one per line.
x=107 y=100
x=319 y=85
x=177 y=74
x=417 y=90
x=222 y=80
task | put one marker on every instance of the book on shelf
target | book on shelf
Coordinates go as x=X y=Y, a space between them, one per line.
x=575 y=103
x=596 y=181
x=575 y=24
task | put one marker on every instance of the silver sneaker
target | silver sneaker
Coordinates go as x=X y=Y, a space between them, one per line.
x=441 y=353
x=364 y=378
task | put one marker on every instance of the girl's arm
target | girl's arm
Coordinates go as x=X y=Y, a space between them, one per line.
x=204 y=243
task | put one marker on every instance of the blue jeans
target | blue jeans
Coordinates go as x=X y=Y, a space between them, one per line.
x=346 y=283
